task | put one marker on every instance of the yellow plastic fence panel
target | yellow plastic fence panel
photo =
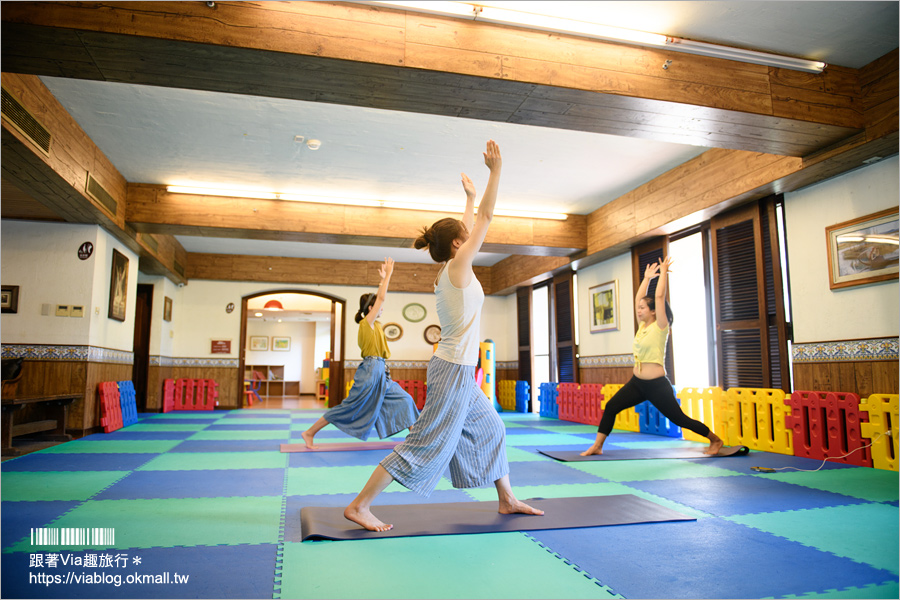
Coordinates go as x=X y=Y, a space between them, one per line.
x=758 y=420
x=507 y=390
x=883 y=416
x=628 y=419
x=349 y=385
x=707 y=405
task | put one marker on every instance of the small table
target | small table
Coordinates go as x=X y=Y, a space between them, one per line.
x=58 y=405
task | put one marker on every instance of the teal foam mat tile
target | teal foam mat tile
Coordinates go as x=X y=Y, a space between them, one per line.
x=650 y=469
x=56 y=485
x=248 y=434
x=890 y=589
x=875 y=485
x=311 y=481
x=865 y=533
x=112 y=446
x=193 y=461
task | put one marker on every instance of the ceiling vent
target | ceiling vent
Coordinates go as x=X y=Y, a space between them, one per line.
x=96 y=191
x=178 y=268
x=150 y=241
x=25 y=123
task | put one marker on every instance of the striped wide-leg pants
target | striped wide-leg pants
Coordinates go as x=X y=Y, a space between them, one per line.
x=458 y=427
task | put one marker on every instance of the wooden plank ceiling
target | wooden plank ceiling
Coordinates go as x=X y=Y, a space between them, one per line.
x=769 y=130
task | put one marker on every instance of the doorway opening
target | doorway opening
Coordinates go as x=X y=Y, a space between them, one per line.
x=291 y=349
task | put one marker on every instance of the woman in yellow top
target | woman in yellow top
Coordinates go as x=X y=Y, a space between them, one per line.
x=649 y=381
x=375 y=400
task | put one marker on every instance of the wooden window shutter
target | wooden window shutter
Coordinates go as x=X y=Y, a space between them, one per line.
x=564 y=322
x=641 y=256
x=523 y=320
x=752 y=346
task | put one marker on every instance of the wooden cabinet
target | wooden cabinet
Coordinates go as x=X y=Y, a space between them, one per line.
x=272 y=382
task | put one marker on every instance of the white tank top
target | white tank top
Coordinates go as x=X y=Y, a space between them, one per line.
x=459 y=312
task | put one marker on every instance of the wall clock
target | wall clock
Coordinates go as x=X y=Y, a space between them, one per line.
x=414 y=312
x=433 y=334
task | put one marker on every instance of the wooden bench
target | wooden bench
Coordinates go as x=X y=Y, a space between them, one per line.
x=57 y=405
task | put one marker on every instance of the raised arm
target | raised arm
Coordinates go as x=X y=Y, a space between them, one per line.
x=650 y=272
x=661 y=318
x=461 y=267
x=385 y=270
x=469 y=214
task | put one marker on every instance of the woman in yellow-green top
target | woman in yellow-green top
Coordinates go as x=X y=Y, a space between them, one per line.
x=649 y=380
x=375 y=400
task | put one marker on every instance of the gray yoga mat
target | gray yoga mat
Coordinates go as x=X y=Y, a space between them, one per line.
x=341 y=447
x=456 y=518
x=644 y=453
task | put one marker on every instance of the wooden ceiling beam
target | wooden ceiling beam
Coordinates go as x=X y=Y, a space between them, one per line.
x=378 y=57
x=150 y=208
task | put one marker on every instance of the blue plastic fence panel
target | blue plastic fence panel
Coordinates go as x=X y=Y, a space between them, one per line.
x=523 y=395
x=547 y=397
x=128 y=403
x=652 y=421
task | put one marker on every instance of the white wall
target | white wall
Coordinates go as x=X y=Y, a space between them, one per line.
x=162 y=340
x=42 y=259
x=821 y=314
x=606 y=343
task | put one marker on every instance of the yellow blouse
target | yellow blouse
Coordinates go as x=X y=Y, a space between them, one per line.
x=650 y=345
x=372 y=341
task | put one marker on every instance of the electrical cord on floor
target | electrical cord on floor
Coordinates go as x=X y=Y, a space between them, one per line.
x=775 y=469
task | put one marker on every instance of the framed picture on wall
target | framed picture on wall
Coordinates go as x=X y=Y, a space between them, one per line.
x=118 y=286
x=392 y=332
x=167 y=309
x=604 y=306
x=863 y=250
x=259 y=342
x=281 y=344
x=9 y=299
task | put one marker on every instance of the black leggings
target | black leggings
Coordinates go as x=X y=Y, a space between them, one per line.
x=659 y=392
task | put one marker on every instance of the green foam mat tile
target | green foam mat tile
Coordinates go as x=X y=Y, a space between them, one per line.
x=580 y=490
x=56 y=485
x=169 y=522
x=255 y=421
x=212 y=416
x=573 y=428
x=248 y=434
x=514 y=454
x=650 y=469
x=445 y=566
x=875 y=485
x=866 y=533
x=538 y=440
x=151 y=426
x=113 y=446
x=197 y=461
x=313 y=481
x=889 y=589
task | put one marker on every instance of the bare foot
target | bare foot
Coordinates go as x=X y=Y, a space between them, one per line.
x=517 y=506
x=714 y=446
x=365 y=518
x=308 y=438
x=592 y=450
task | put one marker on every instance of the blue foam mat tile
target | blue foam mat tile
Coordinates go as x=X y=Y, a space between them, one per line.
x=336 y=459
x=228 y=446
x=708 y=558
x=196 y=484
x=510 y=431
x=219 y=426
x=772 y=460
x=548 y=473
x=124 y=434
x=244 y=571
x=741 y=494
x=237 y=415
x=76 y=461
x=329 y=433
x=18 y=518
x=174 y=421
x=295 y=503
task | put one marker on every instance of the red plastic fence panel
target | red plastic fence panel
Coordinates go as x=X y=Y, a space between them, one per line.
x=184 y=394
x=827 y=425
x=592 y=393
x=416 y=389
x=111 y=409
x=168 y=395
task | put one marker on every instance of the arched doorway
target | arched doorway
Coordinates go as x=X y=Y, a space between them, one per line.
x=277 y=352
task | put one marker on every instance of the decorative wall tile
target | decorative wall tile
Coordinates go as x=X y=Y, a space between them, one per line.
x=63 y=353
x=612 y=360
x=846 y=351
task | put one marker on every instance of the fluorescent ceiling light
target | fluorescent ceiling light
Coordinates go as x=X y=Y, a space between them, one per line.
x=518 y=18
x=500 y=212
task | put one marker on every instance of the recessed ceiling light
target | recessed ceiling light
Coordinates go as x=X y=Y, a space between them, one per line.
x=313 y=144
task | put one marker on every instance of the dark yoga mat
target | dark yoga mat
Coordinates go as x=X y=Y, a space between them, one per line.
x=341 y=447
x=644 y=453
x=456 y=518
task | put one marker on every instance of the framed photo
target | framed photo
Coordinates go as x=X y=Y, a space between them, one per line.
x=281 y=344
x=604 y=306
x=392 y=332
x=9 y=299
x=118 y=286
x=167 y=309
x=433 y=334
x=414 y=312
x=864 y=250
x=259 y=342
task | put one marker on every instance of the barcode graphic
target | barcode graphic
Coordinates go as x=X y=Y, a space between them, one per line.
x=73 y=536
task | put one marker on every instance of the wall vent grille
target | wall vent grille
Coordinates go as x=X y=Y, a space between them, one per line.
x=150 y=241
x=19 y=117
x=96 y=191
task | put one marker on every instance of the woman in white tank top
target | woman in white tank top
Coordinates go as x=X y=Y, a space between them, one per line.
x=458 y=427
